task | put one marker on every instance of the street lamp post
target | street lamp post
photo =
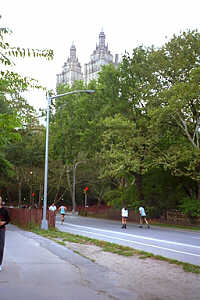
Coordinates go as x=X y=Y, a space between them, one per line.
x=31 y=189
x=74 y=187
x=44 y=224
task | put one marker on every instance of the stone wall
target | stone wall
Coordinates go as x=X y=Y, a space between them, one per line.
x=171 y=217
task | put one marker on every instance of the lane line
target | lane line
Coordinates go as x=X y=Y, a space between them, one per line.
x=139 y=243
x=157 y=227
x=136 y=236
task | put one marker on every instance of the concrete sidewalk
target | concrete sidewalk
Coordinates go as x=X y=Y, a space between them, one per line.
x=35 y=268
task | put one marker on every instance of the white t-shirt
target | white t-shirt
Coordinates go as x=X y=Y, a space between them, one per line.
x=52 y=208
x=142 y=211
x=124 y=213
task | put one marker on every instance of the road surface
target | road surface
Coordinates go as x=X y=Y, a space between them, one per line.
x=182 y=245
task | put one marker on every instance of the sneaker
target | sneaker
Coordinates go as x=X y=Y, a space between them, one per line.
x=0 y=268
x=148 y=226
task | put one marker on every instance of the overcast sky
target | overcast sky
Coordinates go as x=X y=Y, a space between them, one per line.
x=56 y=24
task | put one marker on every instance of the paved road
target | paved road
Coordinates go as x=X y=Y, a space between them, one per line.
x=182 y=245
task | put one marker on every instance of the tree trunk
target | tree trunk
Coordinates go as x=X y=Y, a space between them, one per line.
x=20 y=193
x=40 y=195
x=69 y=185
x=198 y=190
x=139 y=184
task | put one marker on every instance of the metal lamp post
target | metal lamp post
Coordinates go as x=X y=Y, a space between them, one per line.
x=31 y=190
x=44 y=224
x=74 y=187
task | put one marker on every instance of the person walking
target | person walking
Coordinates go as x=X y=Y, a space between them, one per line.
x=53 y=207
x=4 y=220
x=63 y=211
x=124 y=214
x=143 y=217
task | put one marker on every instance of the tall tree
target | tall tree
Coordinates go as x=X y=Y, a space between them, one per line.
x=175 y=107
x=14 y=110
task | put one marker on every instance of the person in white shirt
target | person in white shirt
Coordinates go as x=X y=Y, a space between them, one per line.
x=52 y=207
x=124 y=214
x=143 y=217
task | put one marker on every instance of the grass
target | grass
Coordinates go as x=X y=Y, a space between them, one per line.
x=62 y=237
x=189 y=227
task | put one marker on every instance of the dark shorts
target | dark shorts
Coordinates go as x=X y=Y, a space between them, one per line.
x=143 y=217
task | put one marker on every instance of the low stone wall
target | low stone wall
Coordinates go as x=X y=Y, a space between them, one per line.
x=171 y=217
x=24 y=216
x=178 y=218
x=107 y=212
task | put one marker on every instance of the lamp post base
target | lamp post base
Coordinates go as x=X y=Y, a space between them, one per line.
x=44 y=225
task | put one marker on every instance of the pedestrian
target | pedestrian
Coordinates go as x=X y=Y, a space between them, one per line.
x=124 y=214
x=143 y=217
x=63 y=211
x=53 y=207
x=4 y=220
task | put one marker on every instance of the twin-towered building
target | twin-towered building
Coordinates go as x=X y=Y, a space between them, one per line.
x=72 y=71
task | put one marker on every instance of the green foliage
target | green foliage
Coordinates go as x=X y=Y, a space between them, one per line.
x=190 y=207
x=174 y=109
x=136 y=140
x=126 y=196
x=6 y=168
x=16 y=114
x=114 y=198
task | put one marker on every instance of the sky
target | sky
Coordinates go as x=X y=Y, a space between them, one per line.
x=56 y=24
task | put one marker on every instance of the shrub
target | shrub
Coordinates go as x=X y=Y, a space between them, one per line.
x=190 y=207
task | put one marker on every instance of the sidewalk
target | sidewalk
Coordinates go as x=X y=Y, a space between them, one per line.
x=35 y=268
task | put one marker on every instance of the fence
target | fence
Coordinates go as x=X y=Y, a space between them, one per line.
x=178 y=218
x=24 y=216
x=171 y=217
x=106 y=212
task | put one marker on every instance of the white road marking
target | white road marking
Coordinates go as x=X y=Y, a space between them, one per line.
x=136 y=236
x=135 y=242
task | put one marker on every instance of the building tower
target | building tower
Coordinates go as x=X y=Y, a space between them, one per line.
x=71 y=69
x=100 y=56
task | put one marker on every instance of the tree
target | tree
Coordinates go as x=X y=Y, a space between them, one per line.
x=14 y=110
x=126 y=141
x=175 y=107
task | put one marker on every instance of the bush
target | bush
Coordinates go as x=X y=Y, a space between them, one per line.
x=190 y=207
x=154 y=212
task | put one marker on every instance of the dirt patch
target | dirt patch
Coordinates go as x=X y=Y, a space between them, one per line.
x=151 y=279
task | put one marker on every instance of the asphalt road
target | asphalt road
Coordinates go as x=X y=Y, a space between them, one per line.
x=182 y=245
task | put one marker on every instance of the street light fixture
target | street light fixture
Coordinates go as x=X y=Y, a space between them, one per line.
x=44 y=224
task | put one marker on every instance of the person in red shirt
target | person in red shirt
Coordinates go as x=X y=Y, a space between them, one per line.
x=4 y=220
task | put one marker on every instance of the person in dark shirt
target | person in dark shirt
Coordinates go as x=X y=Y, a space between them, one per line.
x=4 y=219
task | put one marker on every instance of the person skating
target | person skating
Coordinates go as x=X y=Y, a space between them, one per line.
x=124 y=214
x=143 y=217
x=63 y=211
